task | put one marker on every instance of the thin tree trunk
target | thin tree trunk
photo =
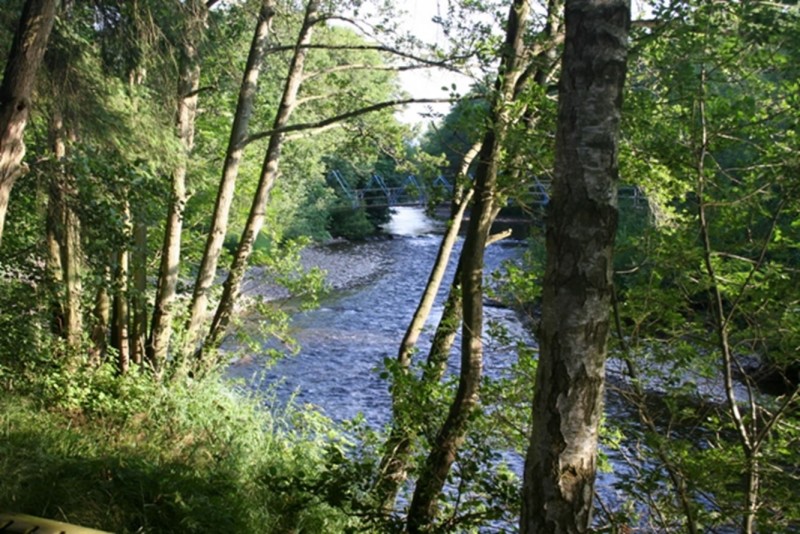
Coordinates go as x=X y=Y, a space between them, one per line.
x=121 y=314
x=230 y=172
x=64 y=240
x=72 y=264
x=27 y=50
x=560 y=465
x=54 y=276
x=399 y=444
x=139 y=300
x=101 y=313
x=717 y=303
x=453 y=432
x=188 y=85
x=269 y=172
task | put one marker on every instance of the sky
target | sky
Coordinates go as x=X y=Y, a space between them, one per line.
x=428 y=83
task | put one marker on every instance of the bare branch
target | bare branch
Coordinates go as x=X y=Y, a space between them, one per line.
x=443 y=63
x=363 y=66
x=344 y=116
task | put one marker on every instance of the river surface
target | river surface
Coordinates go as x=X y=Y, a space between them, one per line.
x=344 y=342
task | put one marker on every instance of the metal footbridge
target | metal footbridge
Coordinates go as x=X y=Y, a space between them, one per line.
x=411 y=192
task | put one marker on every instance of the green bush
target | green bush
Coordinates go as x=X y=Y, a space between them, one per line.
x=351 y=224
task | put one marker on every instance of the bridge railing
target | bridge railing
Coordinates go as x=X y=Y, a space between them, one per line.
x=413 y=193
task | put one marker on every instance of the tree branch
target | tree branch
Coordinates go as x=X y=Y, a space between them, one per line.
x=440 y=63
x=342 y=117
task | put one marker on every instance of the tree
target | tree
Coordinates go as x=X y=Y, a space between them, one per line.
x=188 y=86
x=269 y=173
x=717 y=278
x=484 y=209
x=219 y=222
x=560 y=465
x=27 y=50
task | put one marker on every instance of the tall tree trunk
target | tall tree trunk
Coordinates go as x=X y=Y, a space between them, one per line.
x=451 y=435
x=576 y=298
x=27 y=50
x=64 y=240
x=54 y=276
x=399 y=444
x=269 y=172
x=188 y=85
x=72 y=265
x=120 y=338
x=230 y=172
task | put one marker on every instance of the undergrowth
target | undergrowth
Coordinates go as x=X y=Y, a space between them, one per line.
x=125 y=454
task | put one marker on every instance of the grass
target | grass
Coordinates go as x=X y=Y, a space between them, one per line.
x=133 y=456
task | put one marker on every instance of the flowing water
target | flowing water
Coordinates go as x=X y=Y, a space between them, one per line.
x=344 y=342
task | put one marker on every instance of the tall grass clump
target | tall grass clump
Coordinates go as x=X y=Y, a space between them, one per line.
x=126 y=454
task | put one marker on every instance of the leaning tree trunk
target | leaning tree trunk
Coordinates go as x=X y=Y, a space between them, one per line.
x=269 y=172
x=230 y=172
x=576 y=297
x=453 y=432
x=27 y=50
x=398 y=446
x=188 y=85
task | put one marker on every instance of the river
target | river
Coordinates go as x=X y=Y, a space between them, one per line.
x=345 y=341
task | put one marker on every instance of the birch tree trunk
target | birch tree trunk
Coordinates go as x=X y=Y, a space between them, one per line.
x=269 y=172
x=188 y=85
x=230 y=172
x=27 y=50
x=450 y=437
x=576 y=298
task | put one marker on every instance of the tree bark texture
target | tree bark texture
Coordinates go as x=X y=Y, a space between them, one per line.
x=576 y=298
x=230 y=172
x=188 y=83
x=27 y=50
x=432 y=477
x=269 y=173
